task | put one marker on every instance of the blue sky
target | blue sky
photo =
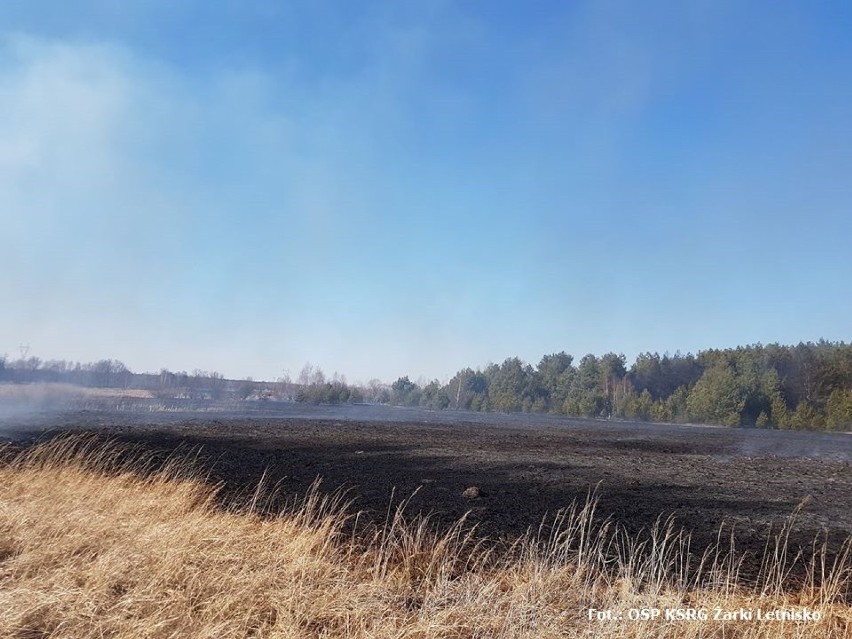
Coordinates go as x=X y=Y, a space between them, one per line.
x=388 y=188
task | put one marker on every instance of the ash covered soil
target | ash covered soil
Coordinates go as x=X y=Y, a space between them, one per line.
x=525 y=467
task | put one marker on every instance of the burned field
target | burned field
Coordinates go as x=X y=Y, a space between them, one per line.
x=511 y=473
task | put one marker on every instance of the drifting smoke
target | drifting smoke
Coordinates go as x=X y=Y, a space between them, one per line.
x=799 y=444
x=26 y=408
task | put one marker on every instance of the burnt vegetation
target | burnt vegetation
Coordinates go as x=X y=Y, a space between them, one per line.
x=102 y=541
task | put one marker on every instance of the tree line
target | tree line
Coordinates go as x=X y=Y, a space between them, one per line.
x=110 y=373
x=106 y=373
x=807 y=386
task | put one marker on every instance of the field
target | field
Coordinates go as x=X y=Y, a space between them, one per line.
x=373 y=568
x=524 y=467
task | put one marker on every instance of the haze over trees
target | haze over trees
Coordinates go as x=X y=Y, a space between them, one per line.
x=314 y=388
x=807 y=386
x=109 y=373
x=771 y=386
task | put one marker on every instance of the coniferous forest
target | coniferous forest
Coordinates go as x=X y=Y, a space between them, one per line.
x=808 y=386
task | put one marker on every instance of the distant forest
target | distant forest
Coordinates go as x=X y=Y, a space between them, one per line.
x=808 y=386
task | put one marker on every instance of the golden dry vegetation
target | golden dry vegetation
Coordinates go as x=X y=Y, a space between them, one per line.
x=58 y=392
x=96 y=542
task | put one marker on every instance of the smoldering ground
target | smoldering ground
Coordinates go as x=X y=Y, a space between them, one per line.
x=30 y=408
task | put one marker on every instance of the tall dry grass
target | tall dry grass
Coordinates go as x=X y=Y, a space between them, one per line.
x=98 y=541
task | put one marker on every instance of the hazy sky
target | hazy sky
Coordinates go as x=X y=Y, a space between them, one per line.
x=387 y=188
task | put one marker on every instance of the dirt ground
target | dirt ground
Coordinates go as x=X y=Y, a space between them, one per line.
x=525 y=468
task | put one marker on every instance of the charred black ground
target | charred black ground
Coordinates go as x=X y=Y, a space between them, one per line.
x=524 y=468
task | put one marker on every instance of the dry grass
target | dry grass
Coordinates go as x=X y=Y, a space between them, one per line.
x=94 y=543
x=59 y=392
